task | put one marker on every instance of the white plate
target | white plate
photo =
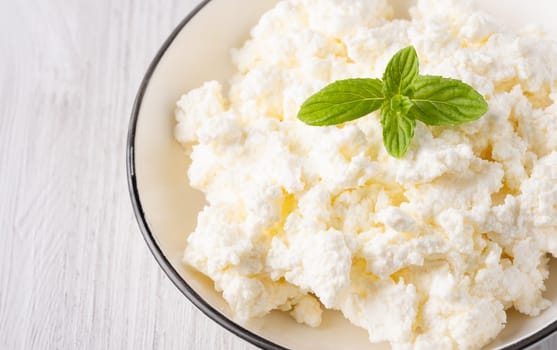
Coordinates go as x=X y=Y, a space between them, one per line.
x=166 y=207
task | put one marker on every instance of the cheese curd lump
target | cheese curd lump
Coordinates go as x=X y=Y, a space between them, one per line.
x=424 y=252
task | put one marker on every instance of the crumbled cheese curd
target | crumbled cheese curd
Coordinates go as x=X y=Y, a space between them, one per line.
x=426 y=252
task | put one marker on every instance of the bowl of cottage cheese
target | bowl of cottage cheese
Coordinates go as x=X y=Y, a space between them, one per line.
x=300 y=237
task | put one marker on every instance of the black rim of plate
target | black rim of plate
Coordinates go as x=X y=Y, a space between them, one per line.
x=163 y=262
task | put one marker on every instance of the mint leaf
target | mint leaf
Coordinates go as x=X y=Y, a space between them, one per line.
x=403 y=96
x=342 y=101
x=398 y=128
x=443 y=101
x=401 y=72
x=399 y=103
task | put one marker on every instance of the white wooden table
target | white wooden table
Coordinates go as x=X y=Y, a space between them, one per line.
x=74 y=270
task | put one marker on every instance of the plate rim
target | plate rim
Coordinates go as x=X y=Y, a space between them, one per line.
x=156 y=250
x=146 y=232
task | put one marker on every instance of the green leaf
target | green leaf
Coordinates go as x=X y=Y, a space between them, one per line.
x=398 y=129
x=399 y=103
x=401 y=72
x=403 y=96
x=443 y=101
x=342 y=101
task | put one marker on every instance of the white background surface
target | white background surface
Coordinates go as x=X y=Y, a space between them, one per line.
x=74 y=270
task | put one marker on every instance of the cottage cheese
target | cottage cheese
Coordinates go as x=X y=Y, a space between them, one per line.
x=426 y=252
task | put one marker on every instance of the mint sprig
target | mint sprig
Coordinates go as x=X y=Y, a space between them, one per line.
x=403 y=96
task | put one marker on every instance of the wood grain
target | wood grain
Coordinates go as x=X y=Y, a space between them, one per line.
x=75 y=272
